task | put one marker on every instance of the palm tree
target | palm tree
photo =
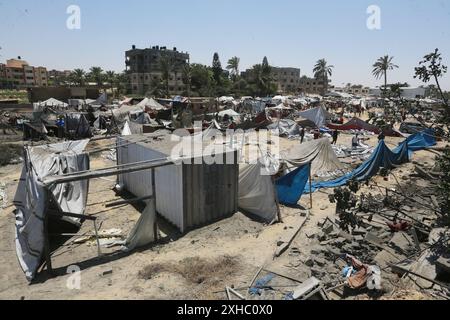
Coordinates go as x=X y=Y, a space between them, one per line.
x=166 y=66
x=96 y=74
x=381 y=67
x=233 y=66
x=78 y=76
x=111 y=78
x=186 y=75
x=322 y=71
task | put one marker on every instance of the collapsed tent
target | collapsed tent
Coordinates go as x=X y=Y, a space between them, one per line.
x=77 y=126
x=257 y=192
x=317 y=115
x=150 y=104
x=32 y=200
x=291 y=186
x=355 y=124
x=322 y=156
x=382 y=157
x=285 y=127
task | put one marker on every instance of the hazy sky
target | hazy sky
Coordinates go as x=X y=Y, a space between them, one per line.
x=291 y=33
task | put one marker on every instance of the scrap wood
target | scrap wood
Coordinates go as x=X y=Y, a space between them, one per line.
x=287 y=241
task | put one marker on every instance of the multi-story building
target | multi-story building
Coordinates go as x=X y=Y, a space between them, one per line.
x=40 y=77
x=144 y=68
x=356 y=89
x=311 y=85
x=17 y=73
x=287 y=79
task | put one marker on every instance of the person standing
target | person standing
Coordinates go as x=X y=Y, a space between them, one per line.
x=355 y=141
x=302 y=135
x=335 y=136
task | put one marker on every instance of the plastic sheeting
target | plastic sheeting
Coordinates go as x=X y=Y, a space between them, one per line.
x=382 y=157
x=31 y=197
x=143 y=233
x=321 y=154
x=317 y=115
x=285 y=127
x=257 y=192
x=355 y=124
x=291 y=187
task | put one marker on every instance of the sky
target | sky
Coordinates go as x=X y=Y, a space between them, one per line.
x=291 y=33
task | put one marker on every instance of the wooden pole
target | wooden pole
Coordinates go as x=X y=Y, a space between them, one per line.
x=155 y=226
x=276 y=200
x=47 y=252
x=310 y=186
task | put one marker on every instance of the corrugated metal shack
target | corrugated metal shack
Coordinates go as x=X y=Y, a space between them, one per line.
x=189 y=194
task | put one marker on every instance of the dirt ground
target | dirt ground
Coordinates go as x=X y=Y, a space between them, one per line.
x=196 y=265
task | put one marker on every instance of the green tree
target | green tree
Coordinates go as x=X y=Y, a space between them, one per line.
x=78 y=77
x=233 y=66
x=431 y=67
x=202 y=80
x=111 y=78
x=217 y=68
x=381 y=67
x=96 y=74
x=322 y=71
x=186 y=76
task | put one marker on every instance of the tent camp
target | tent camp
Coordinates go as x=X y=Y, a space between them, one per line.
x=31 y=199
x=52 y=102
x=325 y=163
x=317 y=115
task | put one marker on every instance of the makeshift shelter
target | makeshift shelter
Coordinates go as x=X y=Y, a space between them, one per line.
x=285 y=127
x=317 y=115
x=32 y=198
x=191 y=192
x=77 y=126
x=382 y=157
x=230 y=114
x=150 y=103
x=257 y=192
x=320 y=154
x=52 y=102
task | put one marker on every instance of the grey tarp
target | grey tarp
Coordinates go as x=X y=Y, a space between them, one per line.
x=317 y=115
x=325 y=163
x=31 y=198
x=257 y=192
x=285 y=127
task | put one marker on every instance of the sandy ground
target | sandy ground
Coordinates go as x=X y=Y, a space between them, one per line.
x=226 y=253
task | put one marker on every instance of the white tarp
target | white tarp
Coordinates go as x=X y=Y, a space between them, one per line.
x=151 y=104
x=31 y=198
x=317 y=115
x=143 y=233
x=324 y=162
x=257 y=191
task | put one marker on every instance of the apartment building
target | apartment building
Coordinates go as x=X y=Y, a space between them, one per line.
x=17 y=73
x=144 y=68
x=287 y=79
x=311 y=85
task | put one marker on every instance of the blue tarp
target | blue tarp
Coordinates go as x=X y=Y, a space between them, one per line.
x=382 y=157
x=290 y=187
